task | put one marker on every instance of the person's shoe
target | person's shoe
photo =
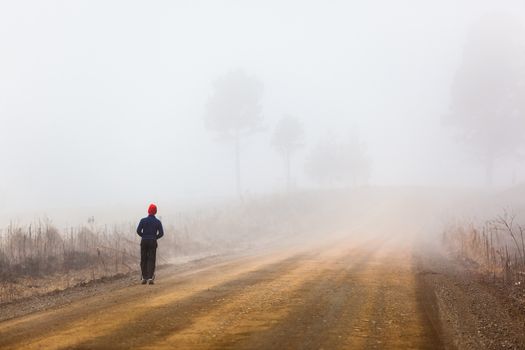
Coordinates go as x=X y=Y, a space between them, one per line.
x=143 y=281
x=150 y=281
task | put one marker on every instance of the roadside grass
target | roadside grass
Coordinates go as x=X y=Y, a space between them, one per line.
x=495 y=247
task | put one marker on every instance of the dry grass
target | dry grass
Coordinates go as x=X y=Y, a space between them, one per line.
x=39 y=258
x=495 y=247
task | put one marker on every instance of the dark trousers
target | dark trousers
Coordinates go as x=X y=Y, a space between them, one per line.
x=148 y=254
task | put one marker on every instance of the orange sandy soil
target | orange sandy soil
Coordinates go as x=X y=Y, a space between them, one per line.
x=343 y=295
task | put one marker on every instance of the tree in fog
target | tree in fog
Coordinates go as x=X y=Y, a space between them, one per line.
x=287 y=139
x=333 y=162
x=234 y=111
x=487 y=92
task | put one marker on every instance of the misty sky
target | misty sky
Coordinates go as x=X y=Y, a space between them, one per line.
x=102 y=102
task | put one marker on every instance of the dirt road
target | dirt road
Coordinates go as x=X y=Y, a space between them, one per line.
x=341 y=296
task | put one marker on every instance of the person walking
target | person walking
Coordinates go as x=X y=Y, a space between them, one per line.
x=150 y=230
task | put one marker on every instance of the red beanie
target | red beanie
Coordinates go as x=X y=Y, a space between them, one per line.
x=152 y=210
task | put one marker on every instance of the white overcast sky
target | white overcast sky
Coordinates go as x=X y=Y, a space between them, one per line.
x=102 y=102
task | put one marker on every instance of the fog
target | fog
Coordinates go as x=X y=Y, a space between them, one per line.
x=104 y=105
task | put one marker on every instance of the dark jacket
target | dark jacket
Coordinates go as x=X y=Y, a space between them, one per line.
x=150 y=228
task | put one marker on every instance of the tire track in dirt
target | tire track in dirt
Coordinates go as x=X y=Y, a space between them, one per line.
x=321 y=311
x=373 y=303
x=256 y=309
x=397 y=318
